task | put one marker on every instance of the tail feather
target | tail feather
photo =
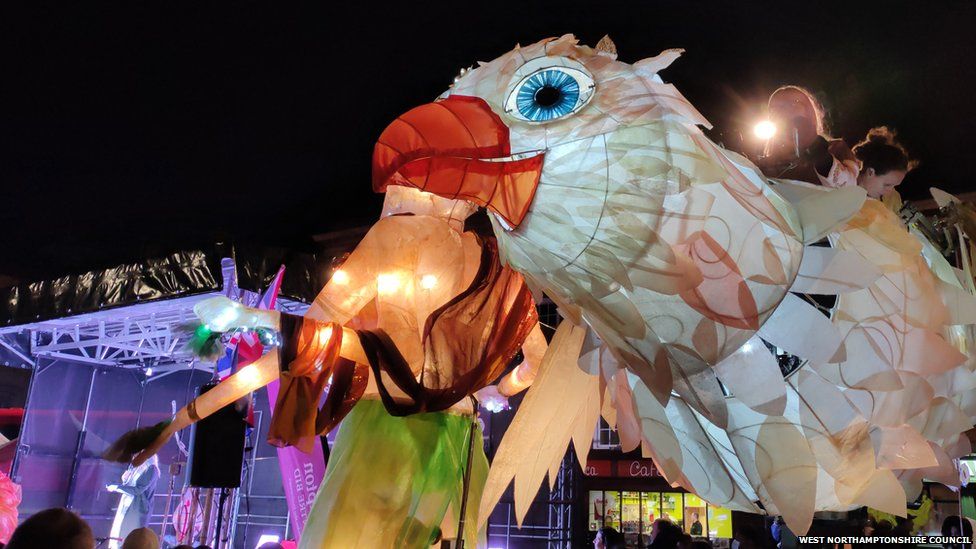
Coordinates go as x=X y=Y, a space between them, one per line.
x=562 y=405
x=132 y=442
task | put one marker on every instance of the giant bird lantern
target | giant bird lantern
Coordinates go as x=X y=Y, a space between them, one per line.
x=675 y=264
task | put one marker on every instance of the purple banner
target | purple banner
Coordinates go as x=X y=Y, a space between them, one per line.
x=301 y=474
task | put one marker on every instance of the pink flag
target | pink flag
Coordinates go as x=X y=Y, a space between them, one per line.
x=301 y=473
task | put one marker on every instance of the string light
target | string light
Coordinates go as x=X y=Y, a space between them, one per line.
x=387 y=283
x=428 y=281
x=340 y=277
x=248 y=375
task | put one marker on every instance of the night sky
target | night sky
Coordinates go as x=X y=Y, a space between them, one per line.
x=127 y=131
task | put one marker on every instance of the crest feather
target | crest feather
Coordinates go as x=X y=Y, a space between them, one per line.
x=607 y=46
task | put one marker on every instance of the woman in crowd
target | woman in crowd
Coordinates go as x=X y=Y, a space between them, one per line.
x=884 y=162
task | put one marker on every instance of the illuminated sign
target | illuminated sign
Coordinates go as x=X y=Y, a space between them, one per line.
x=625 y=468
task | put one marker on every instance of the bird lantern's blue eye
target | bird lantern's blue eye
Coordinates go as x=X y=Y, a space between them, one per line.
x=549 y=93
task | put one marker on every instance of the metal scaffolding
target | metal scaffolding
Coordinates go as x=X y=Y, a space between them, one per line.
x=148 y=339
x=548 y=523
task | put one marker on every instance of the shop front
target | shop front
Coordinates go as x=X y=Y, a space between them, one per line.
x=628 y=494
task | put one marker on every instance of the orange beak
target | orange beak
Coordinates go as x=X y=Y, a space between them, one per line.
x=457 y=148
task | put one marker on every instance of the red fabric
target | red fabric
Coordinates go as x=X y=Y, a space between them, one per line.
x=310 y=360
x=443 y=147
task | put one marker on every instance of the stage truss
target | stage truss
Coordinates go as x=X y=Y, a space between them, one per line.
x=151 y=335
x=148 y=337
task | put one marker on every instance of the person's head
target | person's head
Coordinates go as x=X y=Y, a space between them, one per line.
x=884 y=528
x=141 y=538
x=608 y=538
x=52 y=528
x=665 y=533
x=605 y=538
x=793 y=107
x=789 y=102
x=951 y=526
x=694 y=515
x=684 y=542
x=884 y=162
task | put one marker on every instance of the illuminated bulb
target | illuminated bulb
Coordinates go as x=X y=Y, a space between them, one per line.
x=765 y=130
x=248 y=375
x=747 y=348
x=428 y=282
x=340 y=277
x=148 y=372
x=387 y=283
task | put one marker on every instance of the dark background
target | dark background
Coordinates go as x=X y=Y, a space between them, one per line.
x=128 y=131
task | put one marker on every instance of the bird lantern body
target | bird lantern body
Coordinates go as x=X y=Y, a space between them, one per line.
x=682 y=261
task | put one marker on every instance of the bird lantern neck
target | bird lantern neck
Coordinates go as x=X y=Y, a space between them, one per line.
x=402 y=200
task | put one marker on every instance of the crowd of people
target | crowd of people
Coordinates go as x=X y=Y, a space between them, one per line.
x=775 y=534
x=664 y=534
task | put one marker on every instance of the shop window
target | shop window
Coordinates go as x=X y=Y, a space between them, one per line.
x=696 y=521
x=630 y=512
x=604 y=510
x=719 y=522
x=651 y=507
x=596 y=510
x=605 y=437
x=672 y=508
x=634 y=513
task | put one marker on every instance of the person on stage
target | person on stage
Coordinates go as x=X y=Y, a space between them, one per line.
x=135 y=506
x=800 y=149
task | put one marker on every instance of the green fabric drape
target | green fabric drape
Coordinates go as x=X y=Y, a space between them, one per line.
x=396 y=481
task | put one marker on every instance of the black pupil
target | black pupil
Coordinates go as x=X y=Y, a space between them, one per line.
x=547 y=96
